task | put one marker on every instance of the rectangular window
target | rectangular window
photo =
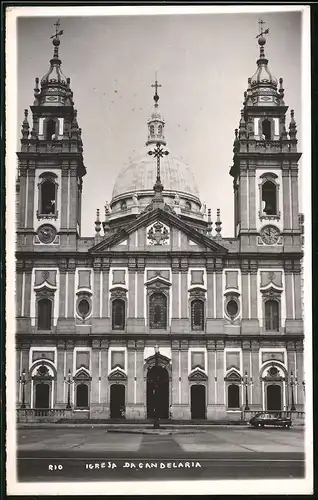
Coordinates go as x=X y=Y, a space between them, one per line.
x=118 y=359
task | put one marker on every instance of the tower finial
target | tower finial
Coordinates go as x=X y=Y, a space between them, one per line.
x=56 y=40
x=155 y=86
x=261 y=38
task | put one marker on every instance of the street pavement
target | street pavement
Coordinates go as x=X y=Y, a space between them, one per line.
x=68 y=454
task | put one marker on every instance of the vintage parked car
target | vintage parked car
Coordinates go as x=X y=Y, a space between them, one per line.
x=270 y=419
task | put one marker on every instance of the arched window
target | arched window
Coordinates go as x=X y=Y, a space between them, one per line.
x=266 y=130
x=123 y=205
x=118 y=314
x=233 y=396
x=48 y=197
x=152 y=130
x=159 y=129
x=82 y=396
x=272 y=315
x=44 y=314
x=50 y=130
x=188 y=205
x=269 y=198
x=158 y=310
x=197 y=315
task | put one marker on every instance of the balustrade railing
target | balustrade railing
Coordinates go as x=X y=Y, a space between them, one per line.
x=38 y=414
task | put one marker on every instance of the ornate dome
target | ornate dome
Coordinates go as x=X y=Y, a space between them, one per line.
x=262 y=90
x=140 y=175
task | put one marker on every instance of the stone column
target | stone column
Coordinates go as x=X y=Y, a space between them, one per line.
x=64 y=196
x=186 y=414
x=71 y=291
x=245 y=294
x=220 y=409
x=131 y=294
x=94 y=395
x=210 y=294
x=30 y=207
x=257 y=386
x=294 y=199
x=105 y=298
x=184 y=294
x=253 y=295
x=28 y=285
x=73 y=196
x=175 y=294
x=140 y=294
x=104 y=389
x=252 y=199
x=25 y=347
x=301 y=377
x=96 y=296
x=219 y=294
x=286 y=198
x=22 y=197
x=297 y=293
x=130 y=378
x=69 y=366
x=62 y=292
x=18 y=371
x=243 y=197
x=211 y=401
x=60 y=402
x=289 y=291
x=175 y=403
x=141 y=404
x=18 y=300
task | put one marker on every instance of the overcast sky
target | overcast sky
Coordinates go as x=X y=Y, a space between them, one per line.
x=203 y=63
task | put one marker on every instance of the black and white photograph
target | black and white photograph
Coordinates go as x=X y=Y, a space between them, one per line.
x=158 y=275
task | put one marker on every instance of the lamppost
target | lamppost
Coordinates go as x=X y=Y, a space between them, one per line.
x=247 y=382
x=156 y=424
x=293 y=382
x=23 y=382
x=69 y=382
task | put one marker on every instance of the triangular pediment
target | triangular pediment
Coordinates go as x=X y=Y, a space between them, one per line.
x=82 y=375
x=117 y=374
x=158 y=216
x=233 y=375
x=197 y=374
x=157 y=281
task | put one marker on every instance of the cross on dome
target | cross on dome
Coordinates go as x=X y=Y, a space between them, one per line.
x=155 y=86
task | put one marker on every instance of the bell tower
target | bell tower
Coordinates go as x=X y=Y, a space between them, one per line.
x=51 y=164
x=265 y=164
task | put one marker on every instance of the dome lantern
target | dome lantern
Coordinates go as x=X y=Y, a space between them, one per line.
x=156 y=123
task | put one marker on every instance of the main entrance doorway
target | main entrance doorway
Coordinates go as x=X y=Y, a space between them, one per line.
x=274 y=397
x=117 y=401
x=42 y=396
x=198 y=401
x=157 y=392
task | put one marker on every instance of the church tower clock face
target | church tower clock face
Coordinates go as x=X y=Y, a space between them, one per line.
x=46 y=234
x=269 y=235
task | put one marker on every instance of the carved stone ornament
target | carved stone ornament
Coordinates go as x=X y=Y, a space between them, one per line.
x=118 y=293
x=158 y=234
x=46 y=234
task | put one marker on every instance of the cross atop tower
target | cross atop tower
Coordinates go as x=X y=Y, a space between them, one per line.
x=57 y=31
x=155 y=86
x=261 y=32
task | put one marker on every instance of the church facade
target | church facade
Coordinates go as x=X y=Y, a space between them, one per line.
x=158 y=314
